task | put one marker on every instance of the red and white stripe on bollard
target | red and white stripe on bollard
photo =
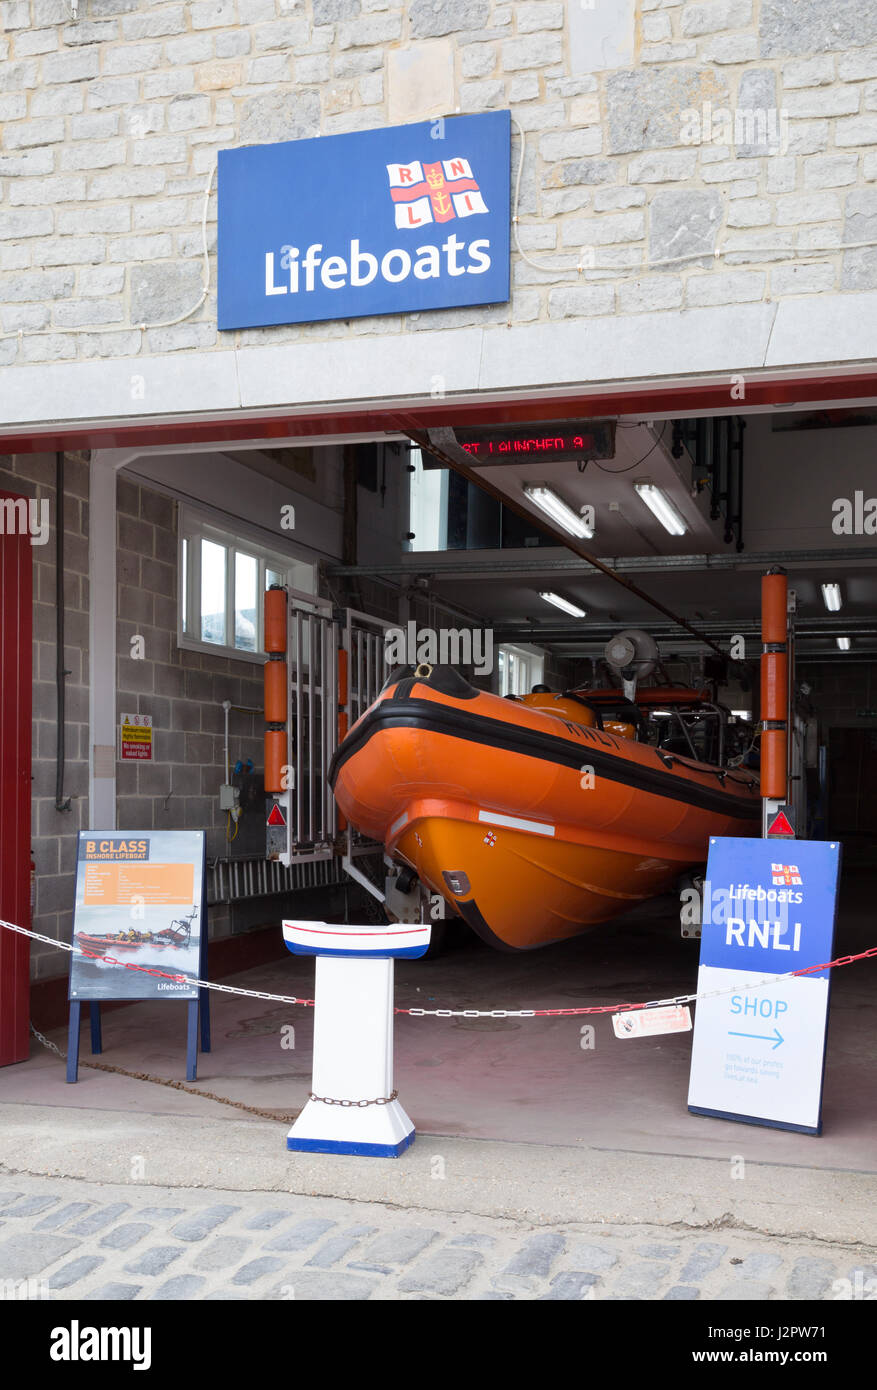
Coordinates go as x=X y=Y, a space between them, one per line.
x=353 y=1107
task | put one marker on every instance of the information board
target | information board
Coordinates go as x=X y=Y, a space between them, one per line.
x=140 y=901
x=758 y=1052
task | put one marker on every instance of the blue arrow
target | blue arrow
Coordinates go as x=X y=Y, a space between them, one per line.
x=762 y=1037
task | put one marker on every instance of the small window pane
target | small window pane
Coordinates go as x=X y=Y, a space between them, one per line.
x=274 y=577
x=213 y=567
x=246 y=582
x=184 y=586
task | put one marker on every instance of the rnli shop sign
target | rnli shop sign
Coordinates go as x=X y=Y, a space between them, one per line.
x=759 y=1049
x=378 y=222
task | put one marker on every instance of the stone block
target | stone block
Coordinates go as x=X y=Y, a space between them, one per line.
x=802 y=279
x=534 y=51
x=830 y=170
x=757 y=125
x=601 y=37
x=715 y=16
x=810 y=27
x=796 y=208
x=662 y=166
x=77 y=66
x=855 y=131
x=684 y=224
x=648 y=294
x=705 y=291
x=27 y=1254
x=429 y=19
x=647 y=109
x=280 y=116
x=420 y=81
x=581 y=301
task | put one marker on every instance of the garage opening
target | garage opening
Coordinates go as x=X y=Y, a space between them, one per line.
x=375 y=538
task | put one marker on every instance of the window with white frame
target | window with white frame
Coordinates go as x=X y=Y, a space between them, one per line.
x=520 y=668
x=222 y=580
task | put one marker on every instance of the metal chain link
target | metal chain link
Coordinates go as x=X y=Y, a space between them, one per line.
x=46 y=1042
x=454 y=1013
x=159 y=974
x=358 y=1104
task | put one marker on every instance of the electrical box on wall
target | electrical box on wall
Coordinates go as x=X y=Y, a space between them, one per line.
x=244 y=799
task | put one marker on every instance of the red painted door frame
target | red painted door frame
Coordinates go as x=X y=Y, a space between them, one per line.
x=16 y=697
x=645 y=400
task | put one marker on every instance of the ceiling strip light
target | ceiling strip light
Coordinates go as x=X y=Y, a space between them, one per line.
x=831 y=597
x=661 y=507
x=555 y=507
x=563 y=603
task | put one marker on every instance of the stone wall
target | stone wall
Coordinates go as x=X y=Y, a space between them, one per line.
x=654 y=131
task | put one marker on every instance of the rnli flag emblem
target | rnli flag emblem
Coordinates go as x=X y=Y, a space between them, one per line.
x=436 y=192
x=786 y=874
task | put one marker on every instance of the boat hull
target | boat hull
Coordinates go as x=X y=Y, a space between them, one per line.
x=107 y=944
x=531 y=827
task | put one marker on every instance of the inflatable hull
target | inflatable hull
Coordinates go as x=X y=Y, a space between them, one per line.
x=531 y=826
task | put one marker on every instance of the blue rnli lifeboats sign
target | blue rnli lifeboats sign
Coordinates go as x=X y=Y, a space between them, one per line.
x=758 y=1051
x=377 y=222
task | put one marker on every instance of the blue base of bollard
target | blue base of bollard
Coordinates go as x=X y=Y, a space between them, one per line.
x=338 y=1146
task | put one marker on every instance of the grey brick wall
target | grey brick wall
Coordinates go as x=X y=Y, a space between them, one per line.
x=111 y=126
x=182 y=690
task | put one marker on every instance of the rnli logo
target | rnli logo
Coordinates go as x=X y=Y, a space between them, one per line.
x=435 y=192
x=786 y=874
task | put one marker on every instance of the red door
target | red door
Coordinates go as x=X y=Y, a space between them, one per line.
x=16 y=691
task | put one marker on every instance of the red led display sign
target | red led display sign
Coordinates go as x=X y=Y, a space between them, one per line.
x=540 y=443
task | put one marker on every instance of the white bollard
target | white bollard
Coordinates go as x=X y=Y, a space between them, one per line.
x=353 y=1108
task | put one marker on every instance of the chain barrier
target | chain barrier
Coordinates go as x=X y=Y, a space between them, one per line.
x=631 y=1008
x=159 y=974
x=184 y=1086
x=456 y=1013
x=357 y=1104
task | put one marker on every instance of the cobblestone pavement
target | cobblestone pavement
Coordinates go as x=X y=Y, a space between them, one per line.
x=65 y=1239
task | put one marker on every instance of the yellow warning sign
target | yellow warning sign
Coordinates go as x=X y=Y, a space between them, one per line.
x=136 y=739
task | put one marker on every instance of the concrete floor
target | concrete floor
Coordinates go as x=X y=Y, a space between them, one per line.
x=524 y=1080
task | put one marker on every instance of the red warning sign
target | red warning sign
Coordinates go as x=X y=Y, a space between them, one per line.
x=780 y=828
x=276 y=817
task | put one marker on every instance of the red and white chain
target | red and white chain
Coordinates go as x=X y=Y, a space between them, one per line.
x=160 y=974
x=453 y=1013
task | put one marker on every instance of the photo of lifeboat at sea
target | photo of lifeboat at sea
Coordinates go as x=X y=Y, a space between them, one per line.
x=151 y=959
x=176 y=937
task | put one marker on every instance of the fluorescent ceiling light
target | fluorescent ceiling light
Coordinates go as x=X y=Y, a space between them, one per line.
x=831 y=597
x=660 y=505
x=560 y=511
x=843 y=643
x=563 y=603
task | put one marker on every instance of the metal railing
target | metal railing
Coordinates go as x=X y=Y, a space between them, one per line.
x=233 y=880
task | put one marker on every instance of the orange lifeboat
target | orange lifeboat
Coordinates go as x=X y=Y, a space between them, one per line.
x=530 y=820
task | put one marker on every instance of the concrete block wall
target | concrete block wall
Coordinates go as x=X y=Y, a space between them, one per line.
x=629 y=110
x=182 y=690
x=54 y=832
